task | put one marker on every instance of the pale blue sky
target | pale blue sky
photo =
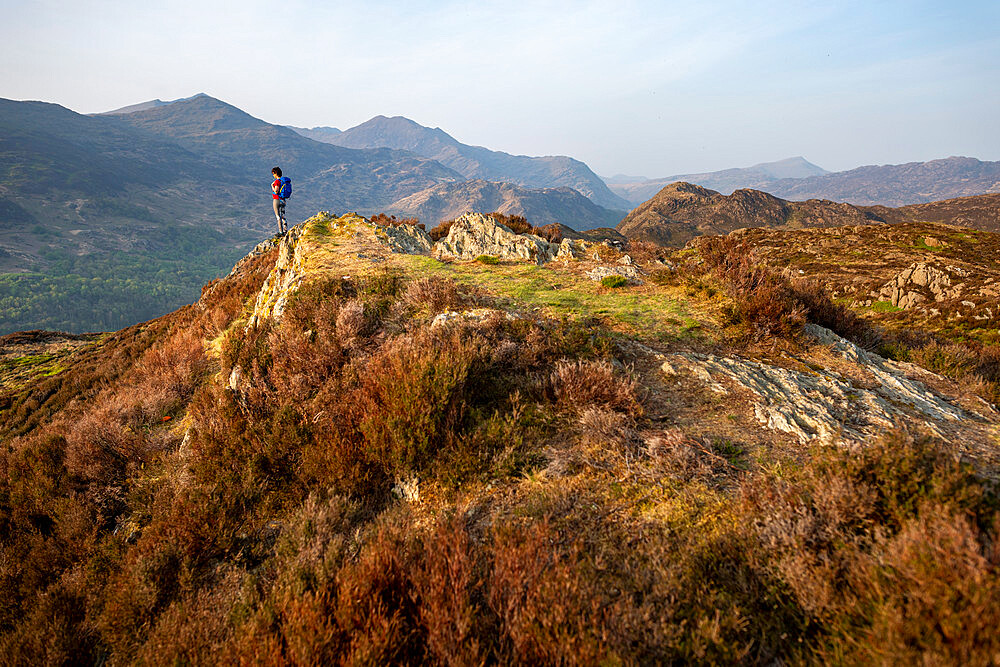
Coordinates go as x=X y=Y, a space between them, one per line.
x=651 y=88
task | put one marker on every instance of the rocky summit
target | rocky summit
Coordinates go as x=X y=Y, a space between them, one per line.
x=682 y=211
x=371 y=444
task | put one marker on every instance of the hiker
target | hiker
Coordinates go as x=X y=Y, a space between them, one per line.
x=282 y=189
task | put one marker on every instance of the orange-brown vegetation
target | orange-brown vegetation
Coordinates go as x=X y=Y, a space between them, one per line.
x=392 y=221
x=516 y=223
x=266 y=521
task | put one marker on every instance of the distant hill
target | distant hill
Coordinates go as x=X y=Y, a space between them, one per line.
x=323 y=134
x=541 y=206
x=885 y=185
x=475 y=162
x=899 y=184
x=110 y=219
x=142 y=106
x=726 y=181
x=682 y=211
x=979 y=212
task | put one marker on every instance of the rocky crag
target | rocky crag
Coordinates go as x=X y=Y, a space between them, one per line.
x=682 y=211
x=857 y=397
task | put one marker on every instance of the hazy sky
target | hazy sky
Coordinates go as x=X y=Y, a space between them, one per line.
x=650 y=88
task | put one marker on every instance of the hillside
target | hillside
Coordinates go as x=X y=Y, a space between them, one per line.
x=546 y=206
x=759 y=177
x=325 y=175
x=323 y=134
x=361 y=446
x=112 y=219
x=683 y=211
x=899 y=185
x=476 y=162
x=884 y=185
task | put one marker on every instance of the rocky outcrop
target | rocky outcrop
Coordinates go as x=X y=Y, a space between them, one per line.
x=683 y=211
x=284 y=278
x=820 y=404
x=405 y=239
x=474 y=235
x=921 y=282
x=293 y=249
x=627 y=271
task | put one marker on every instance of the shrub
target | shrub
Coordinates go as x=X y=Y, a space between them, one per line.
x=433 y=293
x=517 y=223
x=551 y=232
x=769 y=303
x=441 y=230
x=885 y=549
x=576 y=385
x=412 y=397
x=488 y=259
x=613 y=282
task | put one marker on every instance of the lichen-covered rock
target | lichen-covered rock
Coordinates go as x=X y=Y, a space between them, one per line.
x=474 y=234
x=921 y=282
x=284 y=278
x=820 y=404
x=570 y=249
x=405 y=239
x=628 y=271
x=474 y=316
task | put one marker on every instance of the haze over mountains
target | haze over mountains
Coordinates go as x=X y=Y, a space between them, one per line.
x=473 y=162
x=112 y=218
x=798 y=179
x=542 y=206
x=725 y=181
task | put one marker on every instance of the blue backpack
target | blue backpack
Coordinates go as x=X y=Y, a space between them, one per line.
x=285 y=189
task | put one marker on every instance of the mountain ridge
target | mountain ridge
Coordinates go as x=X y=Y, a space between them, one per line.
x=870 y=185
x=683 y=211
x=541 y=206
x=477 y=162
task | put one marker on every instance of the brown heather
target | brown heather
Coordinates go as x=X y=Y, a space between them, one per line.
x=565 y=525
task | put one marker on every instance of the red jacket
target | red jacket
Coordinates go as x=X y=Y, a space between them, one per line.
x=275 y=186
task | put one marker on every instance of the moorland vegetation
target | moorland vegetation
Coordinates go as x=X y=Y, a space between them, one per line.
x=351 y=482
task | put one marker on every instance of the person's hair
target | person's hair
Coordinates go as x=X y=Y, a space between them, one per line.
x=276 y=171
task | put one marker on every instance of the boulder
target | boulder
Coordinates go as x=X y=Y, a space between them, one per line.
x=628 y=271
x=921 y=282
x=474 y=235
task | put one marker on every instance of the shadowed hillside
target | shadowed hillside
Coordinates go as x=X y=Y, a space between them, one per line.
x=542 y=206
x=475 y=162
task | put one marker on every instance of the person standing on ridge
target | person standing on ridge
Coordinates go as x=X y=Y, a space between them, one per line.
x=282 y=189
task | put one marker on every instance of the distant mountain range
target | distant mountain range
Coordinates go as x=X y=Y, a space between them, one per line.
x=473 y=162
x=682 y=211
x=542 y=206
x=109 y=219
x=899 y=184
x=725 y=181
x=798 y=179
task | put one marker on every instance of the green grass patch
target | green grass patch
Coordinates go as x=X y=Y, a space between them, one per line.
x=614 y=282
x=488 y=259
x=564 y=294
x=885 y=307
